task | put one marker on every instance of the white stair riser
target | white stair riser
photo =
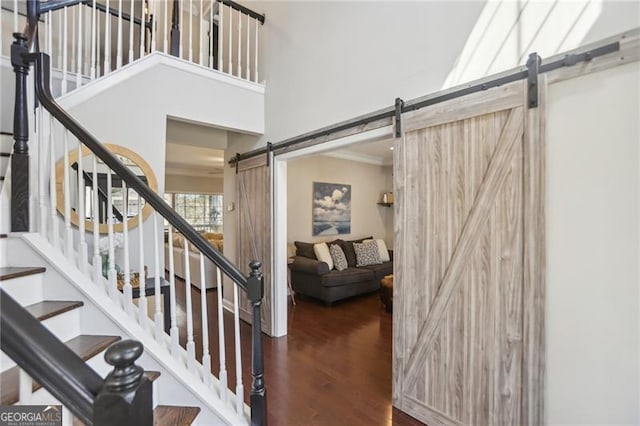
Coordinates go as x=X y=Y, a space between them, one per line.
x=6 y=143
x=65 y=326
x=6 y=362
x=25 y=290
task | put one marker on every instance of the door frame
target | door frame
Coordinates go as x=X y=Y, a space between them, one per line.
x=279 y=164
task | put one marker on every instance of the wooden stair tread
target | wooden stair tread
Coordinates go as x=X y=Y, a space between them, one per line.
x=170 y=415
x=4 y=236
x=10 y=272
x=152 y=375
x=86 y=346
x=5 y=154
x=50 y=308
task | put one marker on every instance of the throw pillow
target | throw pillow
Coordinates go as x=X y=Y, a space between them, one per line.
x=349 y=253
x=337 y=255
x=382 y=250
x=305 y=250
x=322 y=253
x=367 y=253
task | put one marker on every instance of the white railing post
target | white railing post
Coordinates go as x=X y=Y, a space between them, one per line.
x=165 y=26
x=255 y=64
x=82 y=249
x=154 y=27
x=15 y=16
x=236 y=325
x=68 y=232
x=119 y=37
x=230 y=70
x=80 y=36
x=239 y=44
x=95 y=215
x=191 y=346
x=221 y=341
x=92 y=72
x=131 y=26
x=220 y=35
x=158 y=318
x=113 y=278
x=211 y=64
x=143 y=19
x=248 y=64
x=60 y=15
x=142 y=300
x=181 y=26
x=126 y=288
x=206 y=357
x=190 y=30
x=173 y=331
x=53 y=213
x=200 y=33
x=42 y=161
x=64 y=52
x=107 y=41
x=25 y=388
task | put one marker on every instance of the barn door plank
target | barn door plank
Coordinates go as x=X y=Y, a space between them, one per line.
x=492 y=182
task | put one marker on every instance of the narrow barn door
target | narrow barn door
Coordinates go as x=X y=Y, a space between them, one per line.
x=469 y=261
x=253 y=195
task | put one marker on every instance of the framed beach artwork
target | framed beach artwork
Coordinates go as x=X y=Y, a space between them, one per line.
x=331 y=208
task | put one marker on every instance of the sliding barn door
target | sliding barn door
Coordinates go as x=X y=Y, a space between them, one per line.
x=253 y=195
x=469 y=262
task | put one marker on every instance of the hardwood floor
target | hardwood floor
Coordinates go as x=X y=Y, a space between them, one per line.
x=333 y=367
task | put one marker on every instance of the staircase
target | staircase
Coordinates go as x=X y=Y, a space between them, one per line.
x=54 y=271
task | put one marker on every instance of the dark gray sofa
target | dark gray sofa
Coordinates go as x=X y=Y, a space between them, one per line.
x=313 y=278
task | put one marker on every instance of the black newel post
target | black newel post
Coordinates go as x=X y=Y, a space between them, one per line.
x=175 y=29
x=258 y=389
x=20 y=156
x=126 y=397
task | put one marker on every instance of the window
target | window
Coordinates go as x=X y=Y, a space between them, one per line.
x=202 y=211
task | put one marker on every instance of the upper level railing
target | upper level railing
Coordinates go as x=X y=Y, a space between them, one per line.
x=87 y=39
x=58 y=133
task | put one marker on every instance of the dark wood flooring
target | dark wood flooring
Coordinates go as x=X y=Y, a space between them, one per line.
x=333 y=367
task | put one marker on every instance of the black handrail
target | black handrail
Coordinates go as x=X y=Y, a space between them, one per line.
x=88 y=178
x=243 y=9
x=42 y=67
x=53 y=5
x=47 y=360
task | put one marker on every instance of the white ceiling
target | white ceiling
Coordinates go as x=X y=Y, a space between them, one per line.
x=194 y=149
x=376 y=152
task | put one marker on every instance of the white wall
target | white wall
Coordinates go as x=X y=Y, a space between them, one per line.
x=593 y=196
x=367 y=186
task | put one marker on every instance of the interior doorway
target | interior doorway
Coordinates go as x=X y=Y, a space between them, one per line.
x=280 y=216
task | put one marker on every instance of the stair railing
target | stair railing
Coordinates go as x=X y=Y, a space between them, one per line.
x=44 y=359
x=87 y=39
x=78 y=245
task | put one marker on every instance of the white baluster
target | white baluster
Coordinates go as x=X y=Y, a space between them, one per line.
x=191 y=346
x=15 y=16
x=107 y=40
x=173 y=331
x=93 y=40
x=97 y=259
x=113 y=278
x=143 y=20
x=60 y=26
x=236 y=324
x=200 y=34
x=126 y=288
x=230 y=41
x=119 y=39
x=67 y=417
x=181 y=28
x=68 y=234
x=211 y=34
x=154 y=27
x=221 y=341
x=142 y=300
x=25 y=386
x=49 y=20
x=73 y=42
x=190 y=30
x=239 y=44
x=53 y=213
x=248 y=63
x=131 y=25
x=255 y=65
x=82 y=250
x=80 y=36
x=165 y=26
x=220 y=34
x=158 y=318
x=98 y=44
x=64 y=52
x=206 y=358
x=42 y=161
